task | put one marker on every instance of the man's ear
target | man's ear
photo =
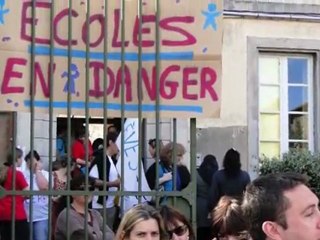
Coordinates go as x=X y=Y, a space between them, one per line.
x=271 y=229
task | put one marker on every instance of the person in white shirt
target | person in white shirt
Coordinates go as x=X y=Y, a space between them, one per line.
x=112 y=178
x=40 y=204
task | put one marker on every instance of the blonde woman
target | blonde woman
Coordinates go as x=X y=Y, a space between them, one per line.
x=166 y=168
x=141 y=222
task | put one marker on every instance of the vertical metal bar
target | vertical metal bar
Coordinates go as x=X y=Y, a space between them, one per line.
x=123 y=37
x=69 y=115
x=140 y=140
x=157 y=107
x=193 y=166
x=105 y=111
x=14 y=156
x=51 y=117
x=144 y=137
x=174 y=159
x=87 y=114
x=32 y=118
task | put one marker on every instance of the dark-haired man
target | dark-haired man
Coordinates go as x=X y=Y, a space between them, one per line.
x=281 y=207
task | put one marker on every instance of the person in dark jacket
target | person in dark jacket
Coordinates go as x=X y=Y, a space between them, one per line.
x=204 y=175
x=97 y=145
x=166 y=169
x=230 y=181
x=153 y=147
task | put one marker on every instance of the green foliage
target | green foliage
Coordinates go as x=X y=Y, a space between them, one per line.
x=303 y=162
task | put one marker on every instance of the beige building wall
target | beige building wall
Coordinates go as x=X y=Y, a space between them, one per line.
x=41 y=141
x=231 y=130
x=166 y=132
x=234 y=62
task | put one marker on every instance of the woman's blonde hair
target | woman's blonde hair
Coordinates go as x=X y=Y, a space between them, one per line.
x=167 y=152
x=137 y=214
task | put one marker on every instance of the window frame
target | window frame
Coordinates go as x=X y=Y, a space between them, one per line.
x=284 y=96
x=255 y=46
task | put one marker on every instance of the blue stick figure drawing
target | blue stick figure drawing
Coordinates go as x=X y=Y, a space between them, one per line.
x=211 y=16
x=70 y=85
x=2 y=11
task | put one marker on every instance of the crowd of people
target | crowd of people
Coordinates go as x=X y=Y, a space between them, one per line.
x=286 y=211
x=95 y=162
x=229 y=205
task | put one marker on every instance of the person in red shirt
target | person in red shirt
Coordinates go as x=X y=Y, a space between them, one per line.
x=20 y=218
x=79 y=151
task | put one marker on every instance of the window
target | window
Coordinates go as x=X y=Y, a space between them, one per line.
x=285 y=104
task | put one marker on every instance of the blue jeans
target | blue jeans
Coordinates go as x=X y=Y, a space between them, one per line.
x=40 y=230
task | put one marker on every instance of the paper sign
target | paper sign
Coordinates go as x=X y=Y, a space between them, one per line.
x=131 y=163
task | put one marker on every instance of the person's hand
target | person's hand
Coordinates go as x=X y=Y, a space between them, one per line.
x=37 y=166
x=115 y=183
x=167 y=177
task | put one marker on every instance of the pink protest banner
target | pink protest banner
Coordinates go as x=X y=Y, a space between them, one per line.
x=190 y=43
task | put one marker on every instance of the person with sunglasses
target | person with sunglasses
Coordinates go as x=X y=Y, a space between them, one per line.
x=177 y=225
x=78 y=217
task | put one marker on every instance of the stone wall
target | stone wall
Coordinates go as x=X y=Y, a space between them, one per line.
x=41 y=139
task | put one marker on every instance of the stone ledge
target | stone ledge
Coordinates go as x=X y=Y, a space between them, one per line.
x=272 y=7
